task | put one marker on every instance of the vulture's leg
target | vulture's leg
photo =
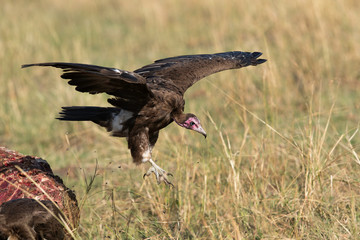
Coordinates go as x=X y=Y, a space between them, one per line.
x=141 y=143
x=161 y=174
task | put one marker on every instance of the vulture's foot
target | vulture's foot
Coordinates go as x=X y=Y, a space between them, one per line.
x=161 y=174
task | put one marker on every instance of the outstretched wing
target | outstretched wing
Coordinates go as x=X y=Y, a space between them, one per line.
x=186 y=70
x=130 y=89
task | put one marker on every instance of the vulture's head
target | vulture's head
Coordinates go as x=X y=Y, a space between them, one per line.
x=190 y=121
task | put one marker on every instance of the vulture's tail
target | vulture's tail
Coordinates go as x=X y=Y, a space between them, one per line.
x=95 y=114
x=115 y=120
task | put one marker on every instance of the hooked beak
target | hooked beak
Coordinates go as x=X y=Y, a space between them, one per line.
x=201 y=130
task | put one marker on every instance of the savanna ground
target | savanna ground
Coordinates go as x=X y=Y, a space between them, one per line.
x=282 y=155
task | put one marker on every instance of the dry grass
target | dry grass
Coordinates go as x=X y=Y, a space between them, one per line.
x=281 y=159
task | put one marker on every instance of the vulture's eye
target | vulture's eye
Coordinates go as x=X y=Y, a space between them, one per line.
x=192 y=123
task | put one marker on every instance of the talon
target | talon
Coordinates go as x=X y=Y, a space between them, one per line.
x=148 y=173
x=160 y=174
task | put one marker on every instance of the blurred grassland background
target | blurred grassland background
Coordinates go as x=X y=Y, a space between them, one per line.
x=282 y=155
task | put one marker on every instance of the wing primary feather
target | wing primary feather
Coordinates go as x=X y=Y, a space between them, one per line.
x=184 y=71
x=96 y=79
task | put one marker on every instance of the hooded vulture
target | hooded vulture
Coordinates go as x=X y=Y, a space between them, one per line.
x=147 y=99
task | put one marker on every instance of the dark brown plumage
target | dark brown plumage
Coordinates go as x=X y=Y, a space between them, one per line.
x=147 y=99
x=26 y=218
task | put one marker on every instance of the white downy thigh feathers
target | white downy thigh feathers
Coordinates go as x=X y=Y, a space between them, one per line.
x=119 y=120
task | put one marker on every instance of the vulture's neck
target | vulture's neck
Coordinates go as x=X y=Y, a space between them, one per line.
x=179 y=117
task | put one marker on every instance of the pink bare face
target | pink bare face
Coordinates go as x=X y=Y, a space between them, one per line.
x=193 y=123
